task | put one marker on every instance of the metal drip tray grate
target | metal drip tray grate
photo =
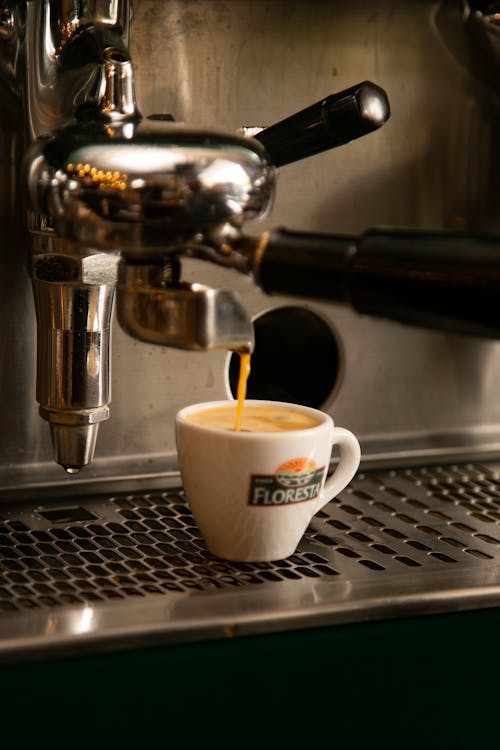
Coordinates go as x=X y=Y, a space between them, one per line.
x=148 y=545
x=132 y=566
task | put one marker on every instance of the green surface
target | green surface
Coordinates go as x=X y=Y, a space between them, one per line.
x=421 y=682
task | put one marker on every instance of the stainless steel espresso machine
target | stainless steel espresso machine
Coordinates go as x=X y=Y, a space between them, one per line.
x=182 y=181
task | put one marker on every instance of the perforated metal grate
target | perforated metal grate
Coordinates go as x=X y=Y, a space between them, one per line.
x=134 y=545
x=416 y=517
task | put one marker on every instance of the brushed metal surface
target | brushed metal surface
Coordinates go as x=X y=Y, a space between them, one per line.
x=408 y=394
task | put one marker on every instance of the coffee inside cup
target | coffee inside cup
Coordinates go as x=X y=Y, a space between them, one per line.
x=255 y=418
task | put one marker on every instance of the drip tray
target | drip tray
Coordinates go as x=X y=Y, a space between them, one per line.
x=125 y=570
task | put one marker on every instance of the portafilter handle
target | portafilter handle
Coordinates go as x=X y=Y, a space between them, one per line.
x=438 y=280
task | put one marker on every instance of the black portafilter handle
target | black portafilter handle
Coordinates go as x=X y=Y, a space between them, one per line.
x=443 y=281
x=331 y=122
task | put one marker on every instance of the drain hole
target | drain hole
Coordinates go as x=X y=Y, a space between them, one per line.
x=443 y=558
x=371 y=564
x=296 y=358
x=408 y=561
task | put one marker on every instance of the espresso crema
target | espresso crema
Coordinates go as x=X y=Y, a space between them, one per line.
x=255 y=418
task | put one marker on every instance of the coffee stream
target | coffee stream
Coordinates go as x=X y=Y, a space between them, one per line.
x=254 y=417
x=242 y=387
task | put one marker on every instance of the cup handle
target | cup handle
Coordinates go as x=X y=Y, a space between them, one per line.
x=350 y=456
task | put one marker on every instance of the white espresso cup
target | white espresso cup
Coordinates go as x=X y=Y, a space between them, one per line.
x=253 y=494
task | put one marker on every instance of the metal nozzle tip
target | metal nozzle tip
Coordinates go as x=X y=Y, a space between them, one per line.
x=73 y=444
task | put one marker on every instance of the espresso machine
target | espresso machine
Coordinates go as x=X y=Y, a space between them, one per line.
x=185 y=181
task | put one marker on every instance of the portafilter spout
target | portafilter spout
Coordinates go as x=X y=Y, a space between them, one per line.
x=159 y=310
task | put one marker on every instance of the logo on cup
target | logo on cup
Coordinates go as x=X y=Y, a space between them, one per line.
x=294 y=481
x=296 y=472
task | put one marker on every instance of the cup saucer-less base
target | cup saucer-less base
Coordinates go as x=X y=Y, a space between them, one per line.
x=252 y=555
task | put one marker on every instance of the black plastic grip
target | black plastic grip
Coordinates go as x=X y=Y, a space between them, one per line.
x=331 y=122
x=307 y=264
x=442 y=281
